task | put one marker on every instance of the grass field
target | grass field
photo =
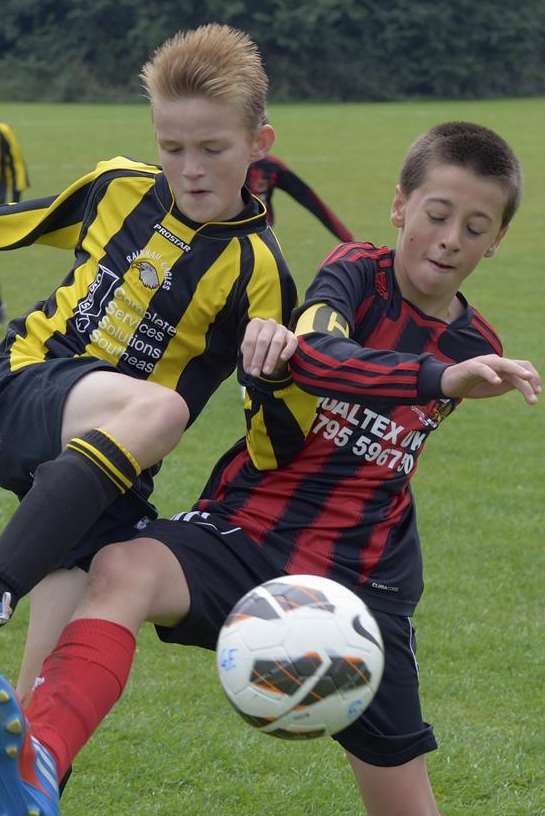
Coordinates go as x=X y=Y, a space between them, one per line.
x=173 y=745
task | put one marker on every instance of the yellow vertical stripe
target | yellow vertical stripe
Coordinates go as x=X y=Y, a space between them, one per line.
x=302 y=407
x=111 y=213
x=259 y=443
x=127 y=309
x=264 y=292
x=208 y=299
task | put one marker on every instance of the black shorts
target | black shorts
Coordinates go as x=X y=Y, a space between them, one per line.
x=222 y=563
x=31 y=408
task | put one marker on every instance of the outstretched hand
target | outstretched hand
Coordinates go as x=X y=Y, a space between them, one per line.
x=491 y=376
x=266 y=347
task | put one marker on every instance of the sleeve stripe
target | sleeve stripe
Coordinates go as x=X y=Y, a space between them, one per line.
x=377 y=388
x=311 y=354
x=487 y=332
x=348 y=373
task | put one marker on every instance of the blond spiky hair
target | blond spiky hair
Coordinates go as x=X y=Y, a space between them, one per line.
x=215 y=61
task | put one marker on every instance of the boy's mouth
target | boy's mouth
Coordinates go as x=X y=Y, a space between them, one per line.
x=443 y=266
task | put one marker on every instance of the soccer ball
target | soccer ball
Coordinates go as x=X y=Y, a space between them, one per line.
x=300 y=656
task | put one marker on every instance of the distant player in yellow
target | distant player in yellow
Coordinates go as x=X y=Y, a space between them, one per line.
x=99 y=381
x=13 y=177
x=13 y=173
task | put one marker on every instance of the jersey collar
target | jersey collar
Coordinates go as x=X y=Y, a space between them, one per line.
x=250 y=220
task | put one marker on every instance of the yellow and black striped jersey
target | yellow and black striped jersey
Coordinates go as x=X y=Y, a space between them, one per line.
x=152 y=293
x=13 y=172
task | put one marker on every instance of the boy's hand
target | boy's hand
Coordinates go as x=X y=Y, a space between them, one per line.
x=491 y=376
x=266 y=348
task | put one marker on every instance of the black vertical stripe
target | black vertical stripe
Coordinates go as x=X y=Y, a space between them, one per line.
x=134 y=234
x=413 y=338
x=170 y=304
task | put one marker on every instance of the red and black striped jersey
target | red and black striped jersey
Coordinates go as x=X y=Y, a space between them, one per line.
x=323 y=481
x=150 y=292
x=269 y=173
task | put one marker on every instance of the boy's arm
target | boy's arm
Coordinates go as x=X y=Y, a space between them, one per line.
x=328 y=363
x=288 y=181
x=278 y=414
x=58 y=220
x=55 y=220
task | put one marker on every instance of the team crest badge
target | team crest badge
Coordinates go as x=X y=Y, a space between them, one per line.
x=425 y=420
x=147 y=274
x=438 y=412
x=442 y=409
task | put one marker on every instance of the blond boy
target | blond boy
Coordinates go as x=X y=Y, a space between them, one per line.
x=99 y=381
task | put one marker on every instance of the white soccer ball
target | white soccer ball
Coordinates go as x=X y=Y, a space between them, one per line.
x=300 y=656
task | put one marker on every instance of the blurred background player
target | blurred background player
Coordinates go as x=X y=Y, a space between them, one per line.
x=390 y=347
x=13 y=178
x=13 y=172
x=270 y=173
x=99 y=381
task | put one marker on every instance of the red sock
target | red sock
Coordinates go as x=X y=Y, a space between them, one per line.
x=81 y=680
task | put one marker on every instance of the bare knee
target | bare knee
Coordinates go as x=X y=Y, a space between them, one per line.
x=134 y=581
x=116 y=571
x=162 y=406
x=158 y=413
x=145 y=417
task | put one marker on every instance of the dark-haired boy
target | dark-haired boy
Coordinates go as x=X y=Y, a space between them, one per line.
x=390 y=347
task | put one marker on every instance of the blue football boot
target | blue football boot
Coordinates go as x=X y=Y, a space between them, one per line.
x=28 y=776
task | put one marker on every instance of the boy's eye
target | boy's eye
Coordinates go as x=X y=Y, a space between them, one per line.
x=171 y=149
x=473 y=231
x=213 y=151
x=436 y=218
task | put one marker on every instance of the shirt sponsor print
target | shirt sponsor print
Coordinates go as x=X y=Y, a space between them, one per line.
x=371 y=436
x=91 y=307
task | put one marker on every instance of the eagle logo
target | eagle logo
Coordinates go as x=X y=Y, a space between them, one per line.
x=147 y=273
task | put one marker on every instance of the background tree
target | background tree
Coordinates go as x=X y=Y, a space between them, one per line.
x=69 y=50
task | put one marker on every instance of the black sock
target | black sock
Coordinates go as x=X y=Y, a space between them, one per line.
x=68 y=495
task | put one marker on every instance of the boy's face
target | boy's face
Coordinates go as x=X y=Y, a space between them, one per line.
x=446 y=226
x=205 y=148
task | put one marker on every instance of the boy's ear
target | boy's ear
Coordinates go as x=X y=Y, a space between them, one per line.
x=397 y=213
x=499 y=238
x=263 y=142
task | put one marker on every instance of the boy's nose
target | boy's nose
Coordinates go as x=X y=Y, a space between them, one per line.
x=192 y=167
x=450 y=240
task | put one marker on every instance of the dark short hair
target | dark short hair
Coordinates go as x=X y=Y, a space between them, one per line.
x=467 y=145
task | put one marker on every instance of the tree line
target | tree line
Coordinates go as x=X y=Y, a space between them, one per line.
x=347 y=50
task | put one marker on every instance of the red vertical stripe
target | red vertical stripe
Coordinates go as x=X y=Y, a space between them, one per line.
x=228 y=475
x=265 y=506
x=376 y=542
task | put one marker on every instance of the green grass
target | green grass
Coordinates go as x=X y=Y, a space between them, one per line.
x=173 y=745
